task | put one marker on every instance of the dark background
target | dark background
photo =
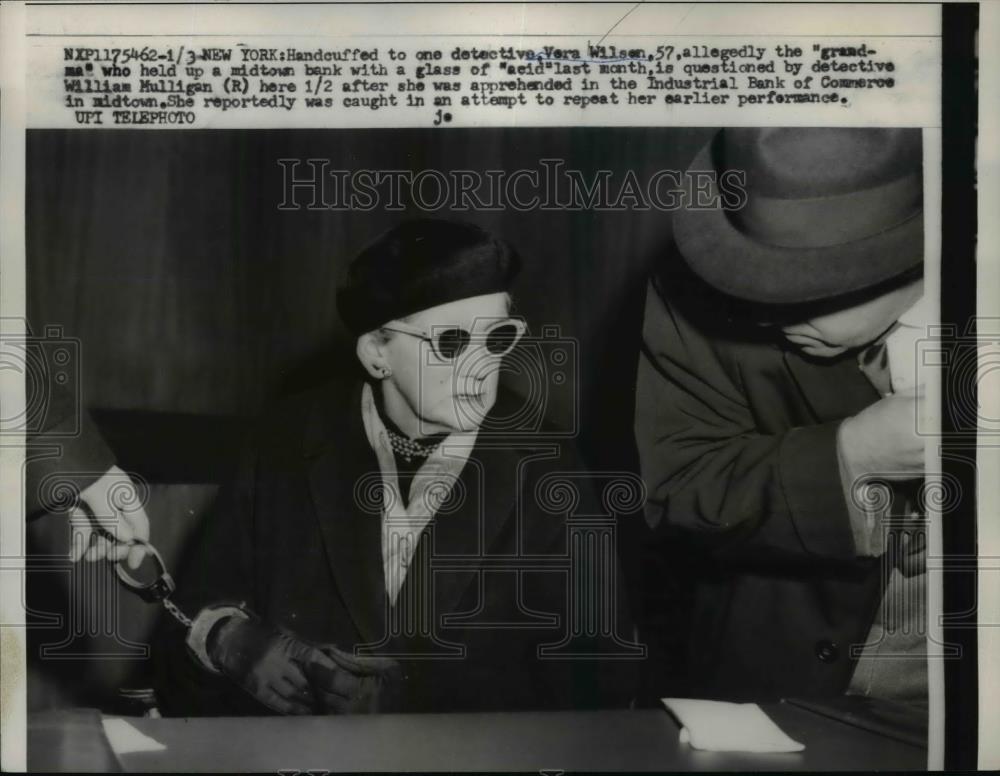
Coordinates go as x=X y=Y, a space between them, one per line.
x=196 y=300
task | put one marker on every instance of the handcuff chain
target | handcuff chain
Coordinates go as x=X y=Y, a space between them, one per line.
x=178 y=615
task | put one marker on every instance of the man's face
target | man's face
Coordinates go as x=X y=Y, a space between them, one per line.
x=832 y=333
x=442 y=394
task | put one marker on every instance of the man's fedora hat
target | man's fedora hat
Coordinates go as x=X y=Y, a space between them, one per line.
x=827 y=212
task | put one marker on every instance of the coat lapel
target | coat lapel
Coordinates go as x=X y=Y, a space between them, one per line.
x=488 y=490
x=342 y=470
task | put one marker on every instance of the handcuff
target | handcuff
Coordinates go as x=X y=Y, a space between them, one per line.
x=156 y=592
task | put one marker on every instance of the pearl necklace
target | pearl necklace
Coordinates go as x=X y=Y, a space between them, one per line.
x=410 y=448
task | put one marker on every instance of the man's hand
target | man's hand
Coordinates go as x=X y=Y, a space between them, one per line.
x=267 y=663
x=354 y=684
x=882 y=439
x=117 y=510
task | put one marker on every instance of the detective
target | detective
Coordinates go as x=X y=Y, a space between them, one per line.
x=778 y=373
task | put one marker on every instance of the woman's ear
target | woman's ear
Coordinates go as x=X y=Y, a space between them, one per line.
x=371 y=354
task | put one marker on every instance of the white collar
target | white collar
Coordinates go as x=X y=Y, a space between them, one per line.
x=432 y=484
x=917 y=315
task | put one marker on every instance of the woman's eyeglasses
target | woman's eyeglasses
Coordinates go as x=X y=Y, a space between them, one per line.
x=451 y=342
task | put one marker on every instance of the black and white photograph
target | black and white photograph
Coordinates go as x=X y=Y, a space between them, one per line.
x=471 y=445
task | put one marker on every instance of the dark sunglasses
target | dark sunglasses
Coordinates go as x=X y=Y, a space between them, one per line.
x=450 y=342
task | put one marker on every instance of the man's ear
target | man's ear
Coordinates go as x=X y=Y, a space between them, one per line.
x=371 y=354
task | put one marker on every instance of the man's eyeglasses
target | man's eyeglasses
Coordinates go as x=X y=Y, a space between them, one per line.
x=451 y=342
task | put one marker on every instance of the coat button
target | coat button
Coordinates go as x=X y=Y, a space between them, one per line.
x=827 y=651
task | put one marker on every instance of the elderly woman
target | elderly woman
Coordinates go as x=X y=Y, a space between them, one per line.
x=390 y=542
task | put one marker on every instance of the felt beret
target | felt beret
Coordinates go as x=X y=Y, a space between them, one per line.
x=422 y=263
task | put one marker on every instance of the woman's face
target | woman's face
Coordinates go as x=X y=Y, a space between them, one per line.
x=426 y=393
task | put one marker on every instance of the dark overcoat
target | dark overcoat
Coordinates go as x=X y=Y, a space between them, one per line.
x=296 y=538
x=737 y=437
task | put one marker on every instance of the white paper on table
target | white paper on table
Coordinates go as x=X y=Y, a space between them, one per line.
x=717 y=726
x=125 y=739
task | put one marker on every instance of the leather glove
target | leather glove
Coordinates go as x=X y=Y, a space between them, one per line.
x=352 y=685
x=268 y=663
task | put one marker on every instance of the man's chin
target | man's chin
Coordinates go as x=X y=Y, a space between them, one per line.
x=813 y=347
x=819 y=350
